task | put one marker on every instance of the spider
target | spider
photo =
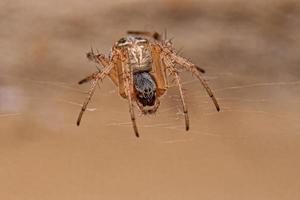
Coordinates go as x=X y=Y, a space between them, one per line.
x=139 y=65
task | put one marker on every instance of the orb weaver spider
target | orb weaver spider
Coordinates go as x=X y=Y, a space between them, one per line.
x=139 y=65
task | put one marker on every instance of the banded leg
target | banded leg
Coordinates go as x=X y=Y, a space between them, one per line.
x=159 y=70
x=89 y=78
x=185 y=111
x=174 y=72
x=128 y=82
x=207 y=88
x=193 y=68
x=100 y=60
x=99 y=76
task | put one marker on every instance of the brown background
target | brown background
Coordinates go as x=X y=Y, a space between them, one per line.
x=250 y=150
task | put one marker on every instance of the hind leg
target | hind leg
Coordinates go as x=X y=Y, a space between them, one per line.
x=174 y=72
x=172 y=58
x=159 y=70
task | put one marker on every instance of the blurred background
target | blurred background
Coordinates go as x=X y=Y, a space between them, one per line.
x=250 y=150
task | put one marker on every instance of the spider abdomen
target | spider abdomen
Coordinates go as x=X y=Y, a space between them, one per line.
x=145 y=87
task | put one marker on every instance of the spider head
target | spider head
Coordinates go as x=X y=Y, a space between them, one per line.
x=138 y=51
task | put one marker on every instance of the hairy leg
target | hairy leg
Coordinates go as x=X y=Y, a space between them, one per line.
x=172 y=57
x=159 y=70
x=89 y=78
x=98 y=76
x=105 y=62
x=127 y=74
x=185 y=111
x=174 y=72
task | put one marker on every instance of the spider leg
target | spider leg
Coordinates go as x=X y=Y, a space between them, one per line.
x=128 y=83
x=194 y=69
x=84 y=106
x=185 y=111
x=132 y=115
x=152 y=111
x=105 y=62
x=98 y=76
x=89 y=78
x=174 y=72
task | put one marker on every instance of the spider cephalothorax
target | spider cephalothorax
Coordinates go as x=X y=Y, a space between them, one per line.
x=139 y=67
x=139 y=52
x=140 y=61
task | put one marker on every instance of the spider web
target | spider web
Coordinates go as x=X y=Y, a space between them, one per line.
x=251 y=56
x=252 y=100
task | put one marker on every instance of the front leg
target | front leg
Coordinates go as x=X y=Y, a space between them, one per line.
x=172 y=57
x=128 y=83
x=89 y=78
x=174 y=72
x=101 y=60
x=98 y=76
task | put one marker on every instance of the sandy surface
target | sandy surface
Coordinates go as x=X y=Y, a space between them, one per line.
x=250 y=150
